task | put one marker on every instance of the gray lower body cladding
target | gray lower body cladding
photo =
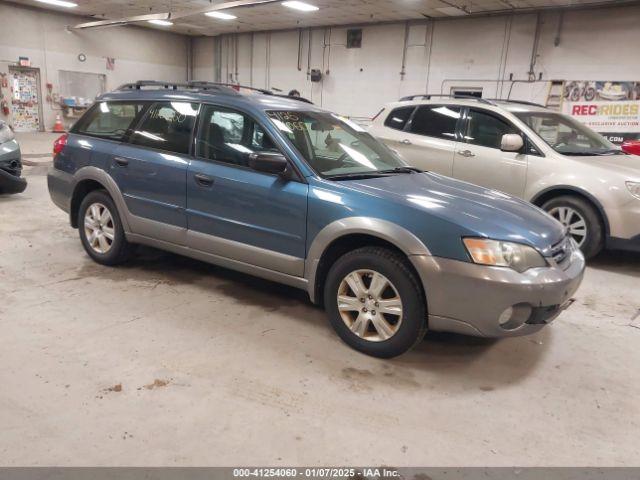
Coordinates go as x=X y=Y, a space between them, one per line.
x=467 y=298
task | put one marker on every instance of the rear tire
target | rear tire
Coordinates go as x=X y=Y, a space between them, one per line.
x=582 y=220
x=371 y=278
x=101 y=231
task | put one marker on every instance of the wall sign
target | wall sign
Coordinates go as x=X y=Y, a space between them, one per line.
x=610 y=108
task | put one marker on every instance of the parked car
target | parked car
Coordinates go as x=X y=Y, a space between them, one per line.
x=283 y=190
x=631 y=147
x=10 y=164
x=525 y=150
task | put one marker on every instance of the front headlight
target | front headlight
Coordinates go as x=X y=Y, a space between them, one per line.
x=504 y=254
x=634 y=188
x=6 y=134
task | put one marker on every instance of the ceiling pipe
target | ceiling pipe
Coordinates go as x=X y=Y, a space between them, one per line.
x=534 y=48
x=403 y=70
x=299 y=49
x=556 y=41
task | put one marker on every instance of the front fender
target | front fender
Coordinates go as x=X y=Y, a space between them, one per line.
x=406 y=241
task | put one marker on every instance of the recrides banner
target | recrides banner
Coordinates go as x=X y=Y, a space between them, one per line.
x=610 y=108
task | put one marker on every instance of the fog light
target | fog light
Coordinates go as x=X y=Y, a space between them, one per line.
x=505 y=316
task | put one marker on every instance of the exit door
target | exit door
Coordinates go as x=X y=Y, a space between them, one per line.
x=26 y=107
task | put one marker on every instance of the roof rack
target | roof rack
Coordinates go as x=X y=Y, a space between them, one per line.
x=153 y=84
x=429 y=96
x=227 y=88
x=521 y=102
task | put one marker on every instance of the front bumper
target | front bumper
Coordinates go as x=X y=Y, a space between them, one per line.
x=467 y=298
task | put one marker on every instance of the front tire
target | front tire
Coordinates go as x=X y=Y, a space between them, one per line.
x=582 y=221
x=101 y=231
x=375 y=303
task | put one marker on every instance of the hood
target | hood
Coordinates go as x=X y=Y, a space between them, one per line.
x=627 y=166
x=483 y=212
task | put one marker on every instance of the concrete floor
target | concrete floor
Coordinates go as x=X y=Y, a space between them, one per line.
x=168 y=361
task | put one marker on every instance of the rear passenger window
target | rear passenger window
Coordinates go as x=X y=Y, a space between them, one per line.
x=436 y=121
x=486 y=130
x=109 y=120
x=397 y=119
x=167 y=126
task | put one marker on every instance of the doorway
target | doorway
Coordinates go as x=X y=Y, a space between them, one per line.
x=26 y=99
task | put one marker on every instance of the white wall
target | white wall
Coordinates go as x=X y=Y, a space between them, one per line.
x=595 y=44
x=41 y=36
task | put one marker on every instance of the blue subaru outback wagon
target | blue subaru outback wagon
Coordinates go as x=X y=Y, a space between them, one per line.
x=278 y=188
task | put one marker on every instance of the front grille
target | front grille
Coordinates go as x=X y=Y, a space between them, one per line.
x=561 y=251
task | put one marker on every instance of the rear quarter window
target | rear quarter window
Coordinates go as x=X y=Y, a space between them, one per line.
x=109 y=120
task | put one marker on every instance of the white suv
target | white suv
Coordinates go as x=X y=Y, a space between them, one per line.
x=526 y=150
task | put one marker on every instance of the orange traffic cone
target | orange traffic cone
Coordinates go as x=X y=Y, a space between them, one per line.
x=58 y=127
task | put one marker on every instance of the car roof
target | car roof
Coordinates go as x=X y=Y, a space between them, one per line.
x=508 y=105
x=255 y=100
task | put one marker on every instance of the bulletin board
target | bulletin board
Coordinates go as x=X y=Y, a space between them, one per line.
x=25 y=99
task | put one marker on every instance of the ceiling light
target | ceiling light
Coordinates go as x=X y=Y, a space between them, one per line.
x=162 y=23
x=304 y=7
x=59 y=3
x=221 y=15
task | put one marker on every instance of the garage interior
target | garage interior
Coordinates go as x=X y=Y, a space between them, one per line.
x=168 y=361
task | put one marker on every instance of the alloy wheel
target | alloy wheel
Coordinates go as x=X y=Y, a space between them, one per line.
x=574 y=222
x=369 y=305
x=99 y=228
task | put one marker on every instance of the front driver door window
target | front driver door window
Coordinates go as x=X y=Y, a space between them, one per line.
x=480 y=160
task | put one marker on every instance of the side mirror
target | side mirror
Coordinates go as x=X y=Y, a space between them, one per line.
x=268 y=162
x=511 y=142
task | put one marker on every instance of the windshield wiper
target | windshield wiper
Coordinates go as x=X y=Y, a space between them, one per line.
x=591 y=154
x=356 y=176
x=405 y=169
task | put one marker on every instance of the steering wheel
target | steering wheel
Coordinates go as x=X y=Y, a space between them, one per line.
x=341 y=159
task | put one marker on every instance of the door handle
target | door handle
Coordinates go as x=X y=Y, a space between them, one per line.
x=466 y=153
x=122 y=162
x=405 y=141
x=203 y=180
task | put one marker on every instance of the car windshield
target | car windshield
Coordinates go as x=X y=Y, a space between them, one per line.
x=566 y=135
x=336 y=147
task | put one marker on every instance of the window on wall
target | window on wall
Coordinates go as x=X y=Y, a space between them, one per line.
x=354 y=38
x=486 y=130
x=167 y=126
x=229 y=136
x=467 y=92
x=109 y=120
x=436 y=121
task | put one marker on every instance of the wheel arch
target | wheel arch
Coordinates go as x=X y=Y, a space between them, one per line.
x=559 y=190
x=89 y=179
x=345 y=235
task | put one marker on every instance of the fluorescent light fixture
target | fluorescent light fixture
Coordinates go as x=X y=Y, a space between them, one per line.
x=59 y=3
x=221 y=15
x=162 y=23
x=303 y=7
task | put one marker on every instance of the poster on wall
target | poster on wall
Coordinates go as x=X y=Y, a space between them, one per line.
x=610 y=108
